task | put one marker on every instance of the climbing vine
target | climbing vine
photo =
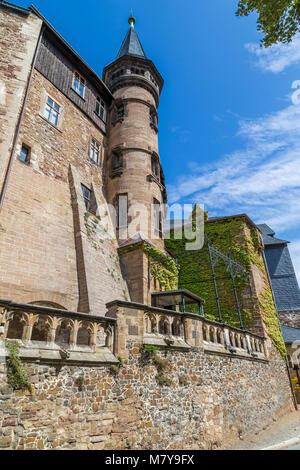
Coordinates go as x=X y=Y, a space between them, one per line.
x=16 y=375
x=234 y=236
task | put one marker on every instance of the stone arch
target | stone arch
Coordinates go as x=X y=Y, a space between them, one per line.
x=205 y=333
x=83 y=335
x=63 y=333
x=219 y=336
x=164 y=326
x=15 y=326
x=150 y=323
x=40 y=329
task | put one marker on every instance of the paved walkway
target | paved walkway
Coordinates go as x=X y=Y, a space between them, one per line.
x=287 y=427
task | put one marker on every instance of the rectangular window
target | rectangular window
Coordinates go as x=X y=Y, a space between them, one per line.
x=78 y=84
x=122 y=215
x=86 y=196
x=95 y=151
x=101 y=108
x=52 y=110
x=157 y=218
x=25 y=154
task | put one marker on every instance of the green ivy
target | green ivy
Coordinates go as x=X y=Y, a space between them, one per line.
x=16 y=375
x=237 y=237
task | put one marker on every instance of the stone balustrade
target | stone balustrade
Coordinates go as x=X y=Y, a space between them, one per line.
x=53 y=334
x=168 y=328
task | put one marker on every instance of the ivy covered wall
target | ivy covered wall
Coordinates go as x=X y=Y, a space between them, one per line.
x=237 y=237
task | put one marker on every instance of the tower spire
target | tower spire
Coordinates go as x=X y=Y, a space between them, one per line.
x=131 y=44
x=131 y=20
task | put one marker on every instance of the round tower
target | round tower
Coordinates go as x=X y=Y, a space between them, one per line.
x=134 y=175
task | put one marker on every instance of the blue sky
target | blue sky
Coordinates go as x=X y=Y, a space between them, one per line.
x=229 y=129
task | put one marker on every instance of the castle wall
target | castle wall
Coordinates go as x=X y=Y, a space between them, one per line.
x=212 y=400
x=19 y=37
x=39 y=256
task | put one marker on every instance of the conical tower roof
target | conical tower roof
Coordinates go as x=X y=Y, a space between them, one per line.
x=131 y=44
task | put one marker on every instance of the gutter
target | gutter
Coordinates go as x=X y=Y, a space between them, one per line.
x=17 y=131
x=286 y=358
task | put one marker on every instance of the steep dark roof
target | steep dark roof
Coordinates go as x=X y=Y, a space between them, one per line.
x=131 y=45
x=268 y=236
x=290 y=334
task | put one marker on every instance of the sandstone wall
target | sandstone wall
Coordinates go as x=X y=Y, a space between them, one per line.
x=44 y=215
x=19 y=36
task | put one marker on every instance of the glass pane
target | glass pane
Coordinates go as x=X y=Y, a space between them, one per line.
x=47 y=112
x=24 y=154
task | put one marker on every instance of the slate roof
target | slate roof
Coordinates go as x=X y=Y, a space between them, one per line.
x=290 y=334
x=268 y=236
x=131 y=45
x=282 y=274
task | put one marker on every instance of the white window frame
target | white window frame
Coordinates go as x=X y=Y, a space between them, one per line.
x=101 y=108
x=80 y=81
x=95 y=149
x=52 y=111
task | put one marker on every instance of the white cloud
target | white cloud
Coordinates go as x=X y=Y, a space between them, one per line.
x=262 y=179
x=278 y=57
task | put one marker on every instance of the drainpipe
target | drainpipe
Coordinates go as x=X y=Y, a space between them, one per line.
x=286 y=358
x=17 y=131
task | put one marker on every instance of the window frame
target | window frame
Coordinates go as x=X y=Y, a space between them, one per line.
x=87 y=200
x=95 y=141
x=80 y=80
x=52 y=111
x=157 y=207
x=28 y=149
x=100 y=107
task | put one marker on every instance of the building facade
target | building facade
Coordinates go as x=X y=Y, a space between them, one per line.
x=79 y=154
x=73 y=144
x=283 y=278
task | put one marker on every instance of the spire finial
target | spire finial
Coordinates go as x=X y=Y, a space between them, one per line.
x=131 y=20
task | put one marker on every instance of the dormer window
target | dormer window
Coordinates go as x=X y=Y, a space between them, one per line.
x=101 y=109
x=79 y=84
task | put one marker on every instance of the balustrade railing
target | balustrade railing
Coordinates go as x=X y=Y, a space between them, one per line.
x=174 y=328
x=44 y=328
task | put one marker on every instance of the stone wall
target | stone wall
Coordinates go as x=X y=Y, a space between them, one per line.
x=19 y=37
x=47 y=253
x=192 y=394
x=221 y=399
x=290 y=318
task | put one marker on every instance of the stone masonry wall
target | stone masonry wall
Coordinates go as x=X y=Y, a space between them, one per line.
x=39 y=259
x=19 y=36
x=290 y=318
x=212 y=400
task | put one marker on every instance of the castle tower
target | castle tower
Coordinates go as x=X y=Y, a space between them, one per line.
x=134 y=175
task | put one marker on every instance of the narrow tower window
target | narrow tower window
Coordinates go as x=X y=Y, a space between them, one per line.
x=157 y=218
